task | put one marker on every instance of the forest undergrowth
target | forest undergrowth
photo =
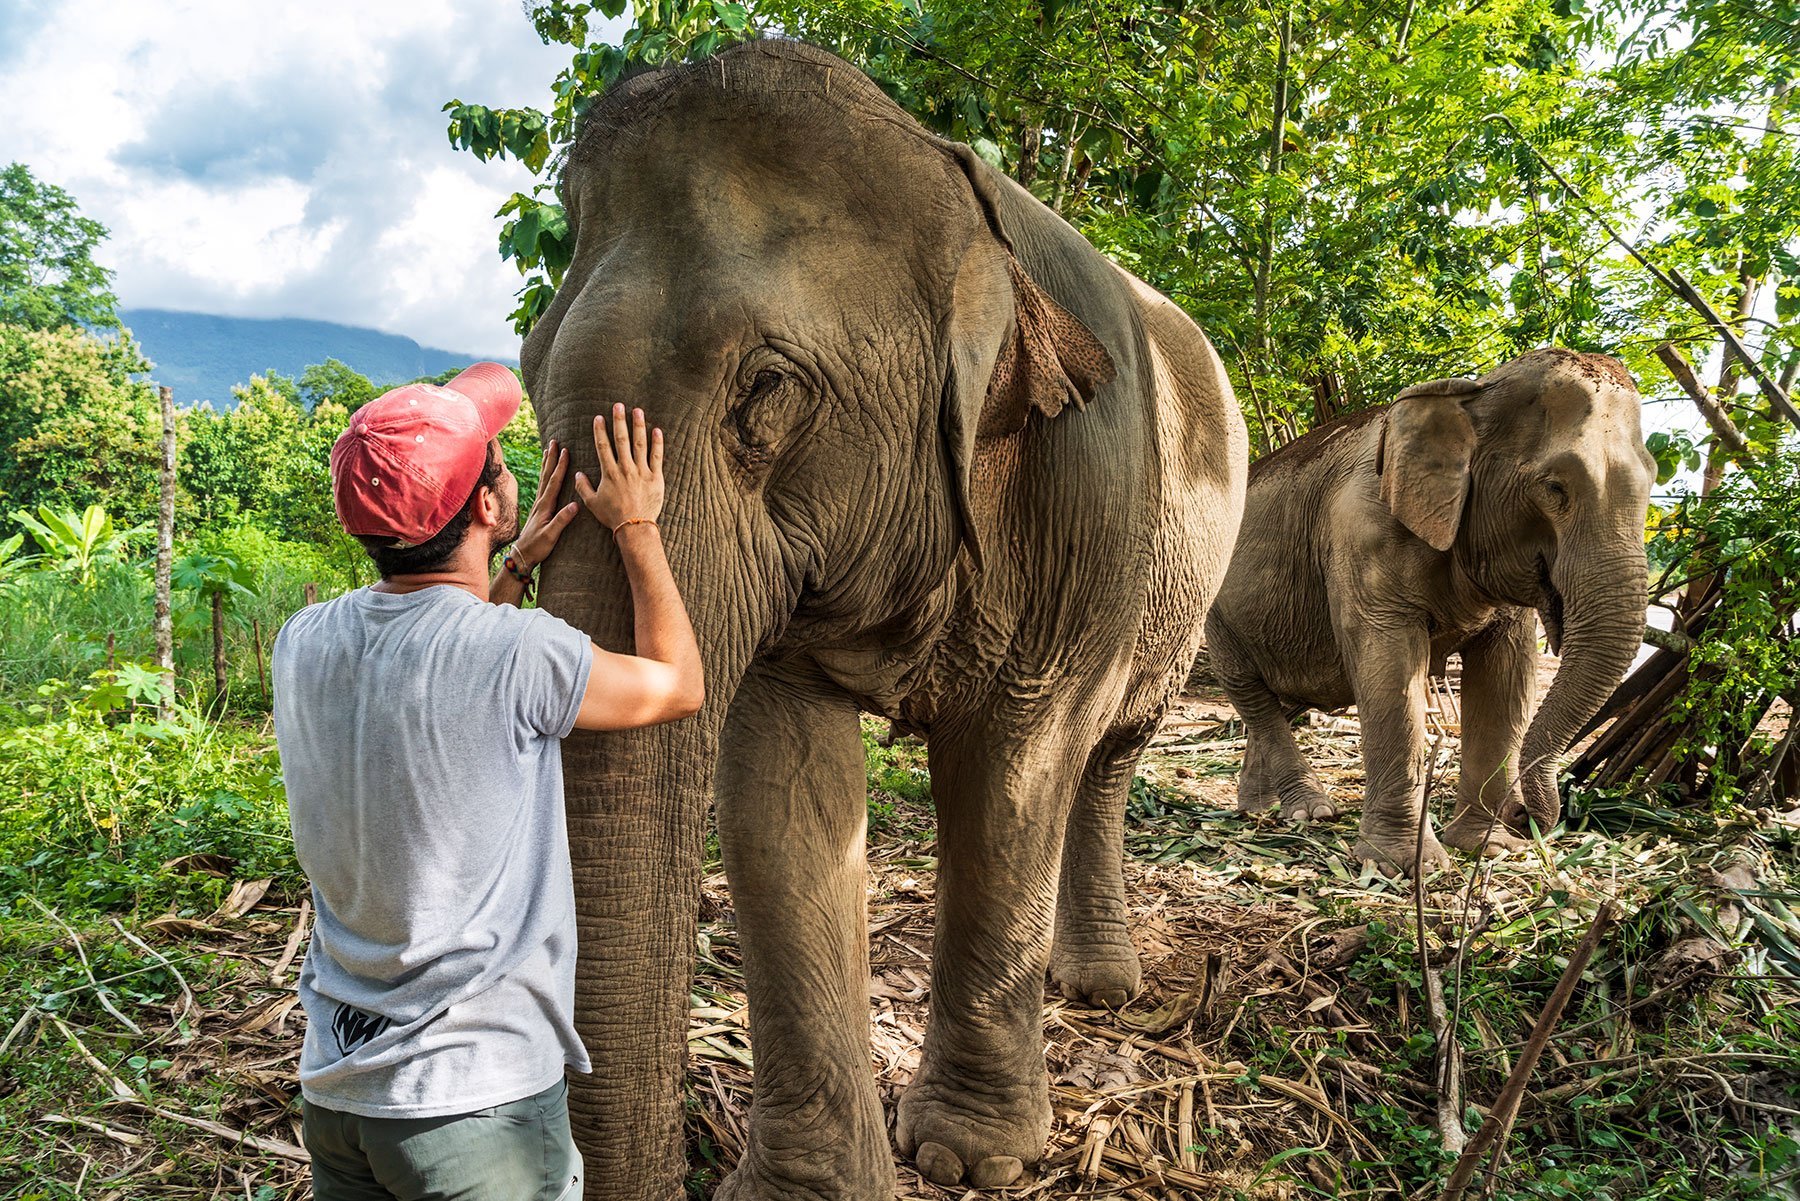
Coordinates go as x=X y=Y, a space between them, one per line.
x=1284 y=1046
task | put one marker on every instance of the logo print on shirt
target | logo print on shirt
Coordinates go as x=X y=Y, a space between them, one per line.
x=353 y=1028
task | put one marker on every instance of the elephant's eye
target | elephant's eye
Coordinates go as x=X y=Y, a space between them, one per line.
x=1559 y=495
x=771 y=399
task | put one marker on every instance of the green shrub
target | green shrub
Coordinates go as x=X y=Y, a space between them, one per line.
x=101 y=793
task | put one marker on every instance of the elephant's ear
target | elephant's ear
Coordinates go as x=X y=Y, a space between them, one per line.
x=1012 y=347
x=1423 y=458
x=1048 y=359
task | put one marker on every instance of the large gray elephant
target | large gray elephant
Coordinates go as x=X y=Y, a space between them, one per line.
x=1378 y=544
x=930 y=456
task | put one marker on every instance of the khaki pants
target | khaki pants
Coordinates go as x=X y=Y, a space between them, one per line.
x=520 y=1151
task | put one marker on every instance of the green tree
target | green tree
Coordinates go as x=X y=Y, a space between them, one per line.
x=1349 y=196
x=336 y=382
x=48 y=276
x=75 y=428
x=241 y=460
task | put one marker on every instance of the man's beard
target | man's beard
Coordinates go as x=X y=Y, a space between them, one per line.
x=506 y=531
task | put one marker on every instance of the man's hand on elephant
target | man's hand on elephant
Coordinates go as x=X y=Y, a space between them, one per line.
x=537 y=537
x=631 y=480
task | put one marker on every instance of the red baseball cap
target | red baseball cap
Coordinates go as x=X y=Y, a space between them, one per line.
x=410 y=458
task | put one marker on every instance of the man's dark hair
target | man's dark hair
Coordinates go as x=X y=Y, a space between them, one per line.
x=433 y=553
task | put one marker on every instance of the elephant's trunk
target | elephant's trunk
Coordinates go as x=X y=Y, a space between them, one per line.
x=637 y=821
x=1593 y=603
x=637 y=811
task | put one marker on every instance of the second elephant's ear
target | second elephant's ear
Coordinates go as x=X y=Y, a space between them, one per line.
x=1423 y=459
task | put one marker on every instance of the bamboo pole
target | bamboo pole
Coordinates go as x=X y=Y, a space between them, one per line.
x=1493 y=1132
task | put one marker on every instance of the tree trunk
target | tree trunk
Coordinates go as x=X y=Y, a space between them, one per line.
x=1031 y=145
x=218 y=633
x=1277 y=136
x=165 y=551
x=1730 y=373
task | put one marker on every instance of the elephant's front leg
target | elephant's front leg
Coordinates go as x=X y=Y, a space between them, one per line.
x=1498 y=683
x=1389 y=663
x=792 y=802
x=980 y=1103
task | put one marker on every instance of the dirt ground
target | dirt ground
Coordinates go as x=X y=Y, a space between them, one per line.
x=1263 y=1031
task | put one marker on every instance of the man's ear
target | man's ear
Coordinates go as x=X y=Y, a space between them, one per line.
x=1423 y=458
x=1011 y=348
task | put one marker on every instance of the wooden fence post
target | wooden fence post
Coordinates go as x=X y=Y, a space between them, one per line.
x=312 y=594
x=165 y=551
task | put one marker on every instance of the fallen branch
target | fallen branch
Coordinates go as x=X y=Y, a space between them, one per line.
x=188 y=1004
x=1668 y=640
x=1730 y=437
x=1184 y=1124
x=125 y=1137
x=268 y=1146
x=1492 y=1134
x=25 y=1019
x=87 y=969
x=1660 y=1065
x=1449 y=1064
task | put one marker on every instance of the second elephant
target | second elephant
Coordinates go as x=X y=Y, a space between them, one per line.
x=1449 y=521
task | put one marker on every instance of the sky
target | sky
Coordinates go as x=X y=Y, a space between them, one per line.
x=283 y=159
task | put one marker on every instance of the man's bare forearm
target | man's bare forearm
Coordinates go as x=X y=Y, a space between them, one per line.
x=660 y=620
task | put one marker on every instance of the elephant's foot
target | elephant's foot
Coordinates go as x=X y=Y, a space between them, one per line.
x=983 y=1134
x=1102 y=974
x=1482 y=833
x=1257 y=802
x=1307 y=803
x=831 y=1147
x=752 y=1181
x=1395 y=853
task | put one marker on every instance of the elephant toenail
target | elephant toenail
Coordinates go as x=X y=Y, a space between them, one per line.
x=939 y=1164
x=1111 y=998
x=996 y=1171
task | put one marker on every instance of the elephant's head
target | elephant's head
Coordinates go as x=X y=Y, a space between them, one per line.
x=1536 y=479
x=820 y=306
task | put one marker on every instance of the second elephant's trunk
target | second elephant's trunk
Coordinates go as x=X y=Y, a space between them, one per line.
x=1596 y=596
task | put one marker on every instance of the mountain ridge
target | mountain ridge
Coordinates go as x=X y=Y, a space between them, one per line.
x=201 y=355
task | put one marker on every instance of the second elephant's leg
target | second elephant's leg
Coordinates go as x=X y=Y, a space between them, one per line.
x=1275 y=770
x=979 y=1106
x=792 y=802
x=1389 y=666
x=1093 y=959
x=1498 y=684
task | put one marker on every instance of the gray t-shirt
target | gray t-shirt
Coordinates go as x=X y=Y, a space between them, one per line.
x=420 y=740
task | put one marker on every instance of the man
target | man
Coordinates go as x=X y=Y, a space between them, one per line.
x=419 y=722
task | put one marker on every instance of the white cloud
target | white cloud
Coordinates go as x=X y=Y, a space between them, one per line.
x=281 y=160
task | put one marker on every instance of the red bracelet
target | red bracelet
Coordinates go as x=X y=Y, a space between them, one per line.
x=633 y=521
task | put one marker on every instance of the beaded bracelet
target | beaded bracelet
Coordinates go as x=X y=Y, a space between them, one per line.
x=526 y=578
x=633 y=521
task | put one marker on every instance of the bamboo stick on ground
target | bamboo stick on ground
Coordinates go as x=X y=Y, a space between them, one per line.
x=1493 y=1132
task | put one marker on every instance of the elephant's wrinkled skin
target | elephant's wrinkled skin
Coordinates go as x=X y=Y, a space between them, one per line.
x=1378 y=544
x=929 y=455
